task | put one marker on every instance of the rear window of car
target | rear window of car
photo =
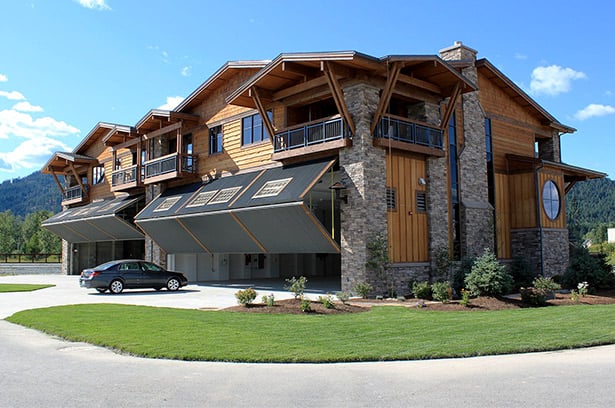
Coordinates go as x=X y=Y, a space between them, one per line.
x=105 y=266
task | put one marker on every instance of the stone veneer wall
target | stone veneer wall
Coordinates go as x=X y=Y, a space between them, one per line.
x=553 y=254
x=153 y=252
x=549 y=149
x=365 y=170
x=66 y=257
x=401 y=275
x=525 y=244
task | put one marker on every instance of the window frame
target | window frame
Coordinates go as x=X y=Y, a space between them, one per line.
x=549 y=199
x=263 y=134
x=216 y=139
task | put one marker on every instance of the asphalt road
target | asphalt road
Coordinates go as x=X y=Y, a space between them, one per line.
x=37 y=370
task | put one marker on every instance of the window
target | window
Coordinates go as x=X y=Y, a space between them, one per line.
x=391 y=199
x=202 y=198
x=98 y=174
x=421 y=201
x=551 y=199
x=272 y=188
x=253 y=129
x=224 y=195
x=215 y=140
x=167 y=204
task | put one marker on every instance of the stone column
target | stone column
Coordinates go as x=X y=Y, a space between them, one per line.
x=153 y=252
x=365 y=168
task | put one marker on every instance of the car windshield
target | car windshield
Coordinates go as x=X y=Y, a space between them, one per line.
x=105 y=266
x=151 y=267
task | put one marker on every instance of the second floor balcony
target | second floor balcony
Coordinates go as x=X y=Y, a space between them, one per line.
x=125 y=179
x=409 y=135
x=73 y=195
x=171 y=166
x=311 y=137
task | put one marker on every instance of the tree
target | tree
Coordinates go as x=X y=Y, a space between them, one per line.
x=36 y=239
x=9 y=232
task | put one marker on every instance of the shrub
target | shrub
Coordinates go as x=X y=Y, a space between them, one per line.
x=296 y=286
x=582 y=289
x=327 y=301
x=363 y=289
x=421 y=290
x=533 y=296
x=488 y=277
x=343 y=296
x=246 y=297
x=587 y=268
x=460 y=273
x=305 y=305
x=441 y=291
x=465 y=297
x=269 y=300
x=546 y=284
x=521 y=272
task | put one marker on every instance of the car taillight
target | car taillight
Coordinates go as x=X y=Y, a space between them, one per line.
x=93 y=274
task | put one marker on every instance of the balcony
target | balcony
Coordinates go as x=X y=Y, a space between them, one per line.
x=409 y=135
x=312 y=137
x=73 y=195
x=126 y=179
x=171 y=166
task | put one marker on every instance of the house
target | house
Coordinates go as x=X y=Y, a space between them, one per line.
x=294 y=166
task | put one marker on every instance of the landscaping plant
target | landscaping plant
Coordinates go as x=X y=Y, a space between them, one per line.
x=488 y=277
x=246 y=297
x=421 y=290
x=441 y=291
x=363 y=289
x=296 y=286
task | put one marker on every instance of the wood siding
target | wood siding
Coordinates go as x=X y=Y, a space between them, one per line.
x=502 y=216
x=407 y=227
x=522 y=200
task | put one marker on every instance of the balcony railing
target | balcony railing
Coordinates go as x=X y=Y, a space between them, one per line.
x=73 y=195
x=123 y=177
x=173 y=165
x=409 y=132
x=310 y=134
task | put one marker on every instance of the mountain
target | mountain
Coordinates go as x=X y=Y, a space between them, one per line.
x=31 y=193
x=590 y=204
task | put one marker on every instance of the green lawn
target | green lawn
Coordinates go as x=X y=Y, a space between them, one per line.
x=21 y=287
x=384 y=333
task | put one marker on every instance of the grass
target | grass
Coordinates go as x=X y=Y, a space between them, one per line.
x=21 y=287
x=384 y=333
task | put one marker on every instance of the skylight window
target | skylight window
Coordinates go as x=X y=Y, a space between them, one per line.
x=272 y=188
x=109 y=206
x=167 y=204
x=202 y=198
x=225 y=195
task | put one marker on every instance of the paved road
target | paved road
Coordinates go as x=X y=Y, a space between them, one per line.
x=40 y=371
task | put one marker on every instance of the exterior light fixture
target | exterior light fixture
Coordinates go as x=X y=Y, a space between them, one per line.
x=339 y=187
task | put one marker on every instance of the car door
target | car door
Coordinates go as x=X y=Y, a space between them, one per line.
x=131 y=273
x=152 y=276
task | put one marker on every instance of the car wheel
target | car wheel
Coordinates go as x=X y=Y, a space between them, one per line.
x=173 y=284
x=101 y=290
x=116 y=286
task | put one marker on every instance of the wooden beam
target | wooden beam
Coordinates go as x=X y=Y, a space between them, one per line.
x=419 y=83
x=302 y=87
x=126 y=144
x=162 y=131
x=255 y=92
x=78 y=178
x=338 y=94
x=306 y=72
x=387 y=91
x=53 y=173
x=450 y=108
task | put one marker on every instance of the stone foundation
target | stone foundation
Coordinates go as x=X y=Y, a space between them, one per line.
x=551 y=258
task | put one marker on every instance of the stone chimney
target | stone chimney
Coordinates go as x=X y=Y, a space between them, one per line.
x=458 y=52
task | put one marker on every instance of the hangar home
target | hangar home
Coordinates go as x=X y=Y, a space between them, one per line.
x=293 y=166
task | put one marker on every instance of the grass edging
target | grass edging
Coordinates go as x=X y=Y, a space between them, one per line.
x=384 y=333
x=22 y=287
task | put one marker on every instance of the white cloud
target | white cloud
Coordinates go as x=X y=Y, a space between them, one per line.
x=186 y=71
x=520 y=56
x=26 y=107
x=594 y=110
x=13 y=95
x=31 y=154
x=94 y=4
x=14 y=123
x=553 y=80
x=3 y=78
x=172 y=102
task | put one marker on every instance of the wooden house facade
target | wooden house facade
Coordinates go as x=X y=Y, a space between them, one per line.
x=294 y=166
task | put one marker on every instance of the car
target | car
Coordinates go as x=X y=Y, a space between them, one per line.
x=116 y=276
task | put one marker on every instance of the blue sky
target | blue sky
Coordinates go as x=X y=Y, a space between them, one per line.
x=66 y=65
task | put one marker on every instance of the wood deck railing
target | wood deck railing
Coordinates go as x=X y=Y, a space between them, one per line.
x=306 y=134
x=409 y=131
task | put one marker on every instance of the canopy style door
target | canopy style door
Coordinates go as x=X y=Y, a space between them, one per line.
x=104 y=220
x=266 y=211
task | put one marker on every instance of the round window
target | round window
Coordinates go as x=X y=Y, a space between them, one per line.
x=551 y=199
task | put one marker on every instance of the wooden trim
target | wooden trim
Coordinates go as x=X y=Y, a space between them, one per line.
x=387 y=92
x=193 y=236
x=324 y=232
x=322 y=173
x=245 y=229
x=58 y=182
x=313 y=149
x=162 y=131
x=83 y=189
x=338 y=94
x=408 y=147
x=233 y=201
x=450 y=108
x=302 y=87
x=428 y=86
x=255 y=93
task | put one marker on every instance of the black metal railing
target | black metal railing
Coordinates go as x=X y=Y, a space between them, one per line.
x=169 y=164
x=124 y=176
x=30 y=258
x=310 y=133
x=410 y=132
x=73 y=193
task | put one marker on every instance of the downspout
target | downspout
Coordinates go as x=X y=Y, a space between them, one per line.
x=538 y=217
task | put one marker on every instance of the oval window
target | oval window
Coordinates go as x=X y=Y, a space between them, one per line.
x=551 y=199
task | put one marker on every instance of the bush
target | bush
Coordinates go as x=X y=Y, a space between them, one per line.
x=460 y=273
x=246 y=297
x=587 y=268
x=343 y=296
x=488 y=277
x=269 y=300
x=421 y=290
x=522 y=273
x=363 y=289
x=305 y=305
x=441 y=291
x=533 y=296
x=296 y=286
x=327 y=301
x=546 y=284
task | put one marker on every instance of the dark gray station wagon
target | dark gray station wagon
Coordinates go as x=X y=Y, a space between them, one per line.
x=116 y=276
